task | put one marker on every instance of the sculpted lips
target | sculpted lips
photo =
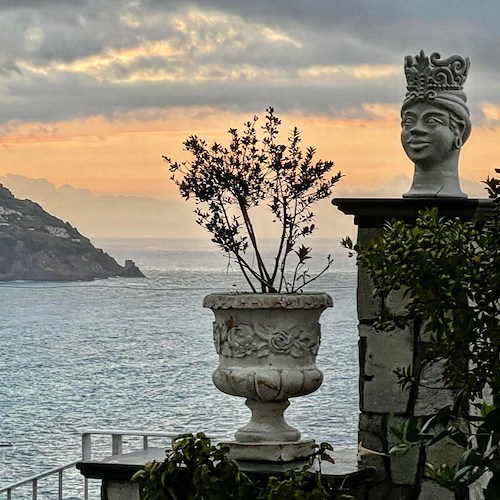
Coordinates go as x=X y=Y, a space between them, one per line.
x=418 y=145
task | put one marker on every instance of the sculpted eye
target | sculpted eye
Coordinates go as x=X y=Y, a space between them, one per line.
x=407 y=121
x=433 y=120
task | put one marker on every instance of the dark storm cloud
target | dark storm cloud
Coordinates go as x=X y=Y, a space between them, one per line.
x=235 y=54
x=33 y=4
x=76 y=96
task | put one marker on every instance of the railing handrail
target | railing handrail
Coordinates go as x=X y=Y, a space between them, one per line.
x=86 y=437
x=42 y=475
x=127 y=432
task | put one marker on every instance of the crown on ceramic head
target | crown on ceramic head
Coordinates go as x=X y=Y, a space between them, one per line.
x=425 y=76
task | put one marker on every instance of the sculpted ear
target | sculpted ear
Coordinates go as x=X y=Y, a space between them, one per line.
x=458 y=129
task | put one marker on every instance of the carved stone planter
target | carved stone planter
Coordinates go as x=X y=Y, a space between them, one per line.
x=267 y=346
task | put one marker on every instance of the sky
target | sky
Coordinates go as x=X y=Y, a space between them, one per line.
x=94 y=92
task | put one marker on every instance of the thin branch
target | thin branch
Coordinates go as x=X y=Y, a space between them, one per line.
x=251 y=234
x=330 y=261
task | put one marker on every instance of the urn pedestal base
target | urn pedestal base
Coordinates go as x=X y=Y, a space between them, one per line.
x=267 y=424
x=271 y=451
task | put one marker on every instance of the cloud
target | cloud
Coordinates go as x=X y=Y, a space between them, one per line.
x=142 y=217
x=60 y=60
x=401 y=184
x=131 y=216
x=106 y=216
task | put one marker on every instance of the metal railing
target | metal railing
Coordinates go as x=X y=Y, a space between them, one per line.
x=116 y=449
x=34 y=481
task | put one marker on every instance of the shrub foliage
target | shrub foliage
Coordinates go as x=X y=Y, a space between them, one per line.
x=229 y=183
x=449 y=272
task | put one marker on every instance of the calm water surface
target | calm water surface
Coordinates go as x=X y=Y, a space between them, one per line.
x=138 y=354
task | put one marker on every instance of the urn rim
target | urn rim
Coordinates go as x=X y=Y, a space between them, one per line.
x=311 y=300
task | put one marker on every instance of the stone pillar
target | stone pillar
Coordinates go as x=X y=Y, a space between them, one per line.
x=383 y=404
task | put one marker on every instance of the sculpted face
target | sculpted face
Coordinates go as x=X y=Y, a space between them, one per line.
x=427 y=134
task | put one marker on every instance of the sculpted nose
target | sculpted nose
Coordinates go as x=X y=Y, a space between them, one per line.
x=417 y=128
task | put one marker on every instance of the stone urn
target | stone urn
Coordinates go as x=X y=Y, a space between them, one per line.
x=267 y=346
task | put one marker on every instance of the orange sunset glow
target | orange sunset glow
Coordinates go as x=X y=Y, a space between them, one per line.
x=124 y=158
x=93 y=117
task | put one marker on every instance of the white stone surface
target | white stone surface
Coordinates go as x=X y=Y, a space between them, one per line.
x=271 y=452
x=122 y=491
x=267 y=346
x=58 y=232
x=8 y=211
x=268 y=301
x=267 y=424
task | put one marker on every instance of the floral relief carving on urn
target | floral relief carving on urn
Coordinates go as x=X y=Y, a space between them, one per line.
x=267 y=346
x=244 y=340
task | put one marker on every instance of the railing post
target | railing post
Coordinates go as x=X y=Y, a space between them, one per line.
x=9 y=494
x=86 y=446
x=35 y=489
x=60 y=485
x=144 y=442
x=116 y=444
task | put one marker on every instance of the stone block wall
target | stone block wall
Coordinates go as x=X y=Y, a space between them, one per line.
x=383 y=404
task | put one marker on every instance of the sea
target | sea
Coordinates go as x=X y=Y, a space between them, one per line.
x=138 y=354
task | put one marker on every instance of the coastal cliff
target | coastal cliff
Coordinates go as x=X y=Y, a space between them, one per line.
x=35 y=245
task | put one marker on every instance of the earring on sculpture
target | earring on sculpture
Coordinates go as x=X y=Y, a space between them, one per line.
x=457 y=142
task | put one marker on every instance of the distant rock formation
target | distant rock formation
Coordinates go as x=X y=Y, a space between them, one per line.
x=35 y=245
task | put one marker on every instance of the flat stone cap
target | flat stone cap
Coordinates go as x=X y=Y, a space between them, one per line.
x=375 y=212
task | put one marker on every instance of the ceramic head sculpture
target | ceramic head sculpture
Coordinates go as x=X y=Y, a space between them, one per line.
x=435 y=123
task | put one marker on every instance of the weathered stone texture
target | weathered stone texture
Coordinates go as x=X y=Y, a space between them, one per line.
x=432 y=491
x=386 y=491
x=476 y=488
x=385 y=351
x=374 y=442
x=395 y=302
x=382 y=402
x=368 y=306
x=445 y=451
x=371 y=423
x=431 y=395
x=114 y=490
x=368 y=234
x=404 y=467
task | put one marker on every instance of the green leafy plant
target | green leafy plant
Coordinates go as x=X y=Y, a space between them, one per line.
x=196 y=469
x=306 y=483
x=229 y=183
x=449 y=274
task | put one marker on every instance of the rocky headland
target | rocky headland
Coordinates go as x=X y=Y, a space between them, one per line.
x=37 y=246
